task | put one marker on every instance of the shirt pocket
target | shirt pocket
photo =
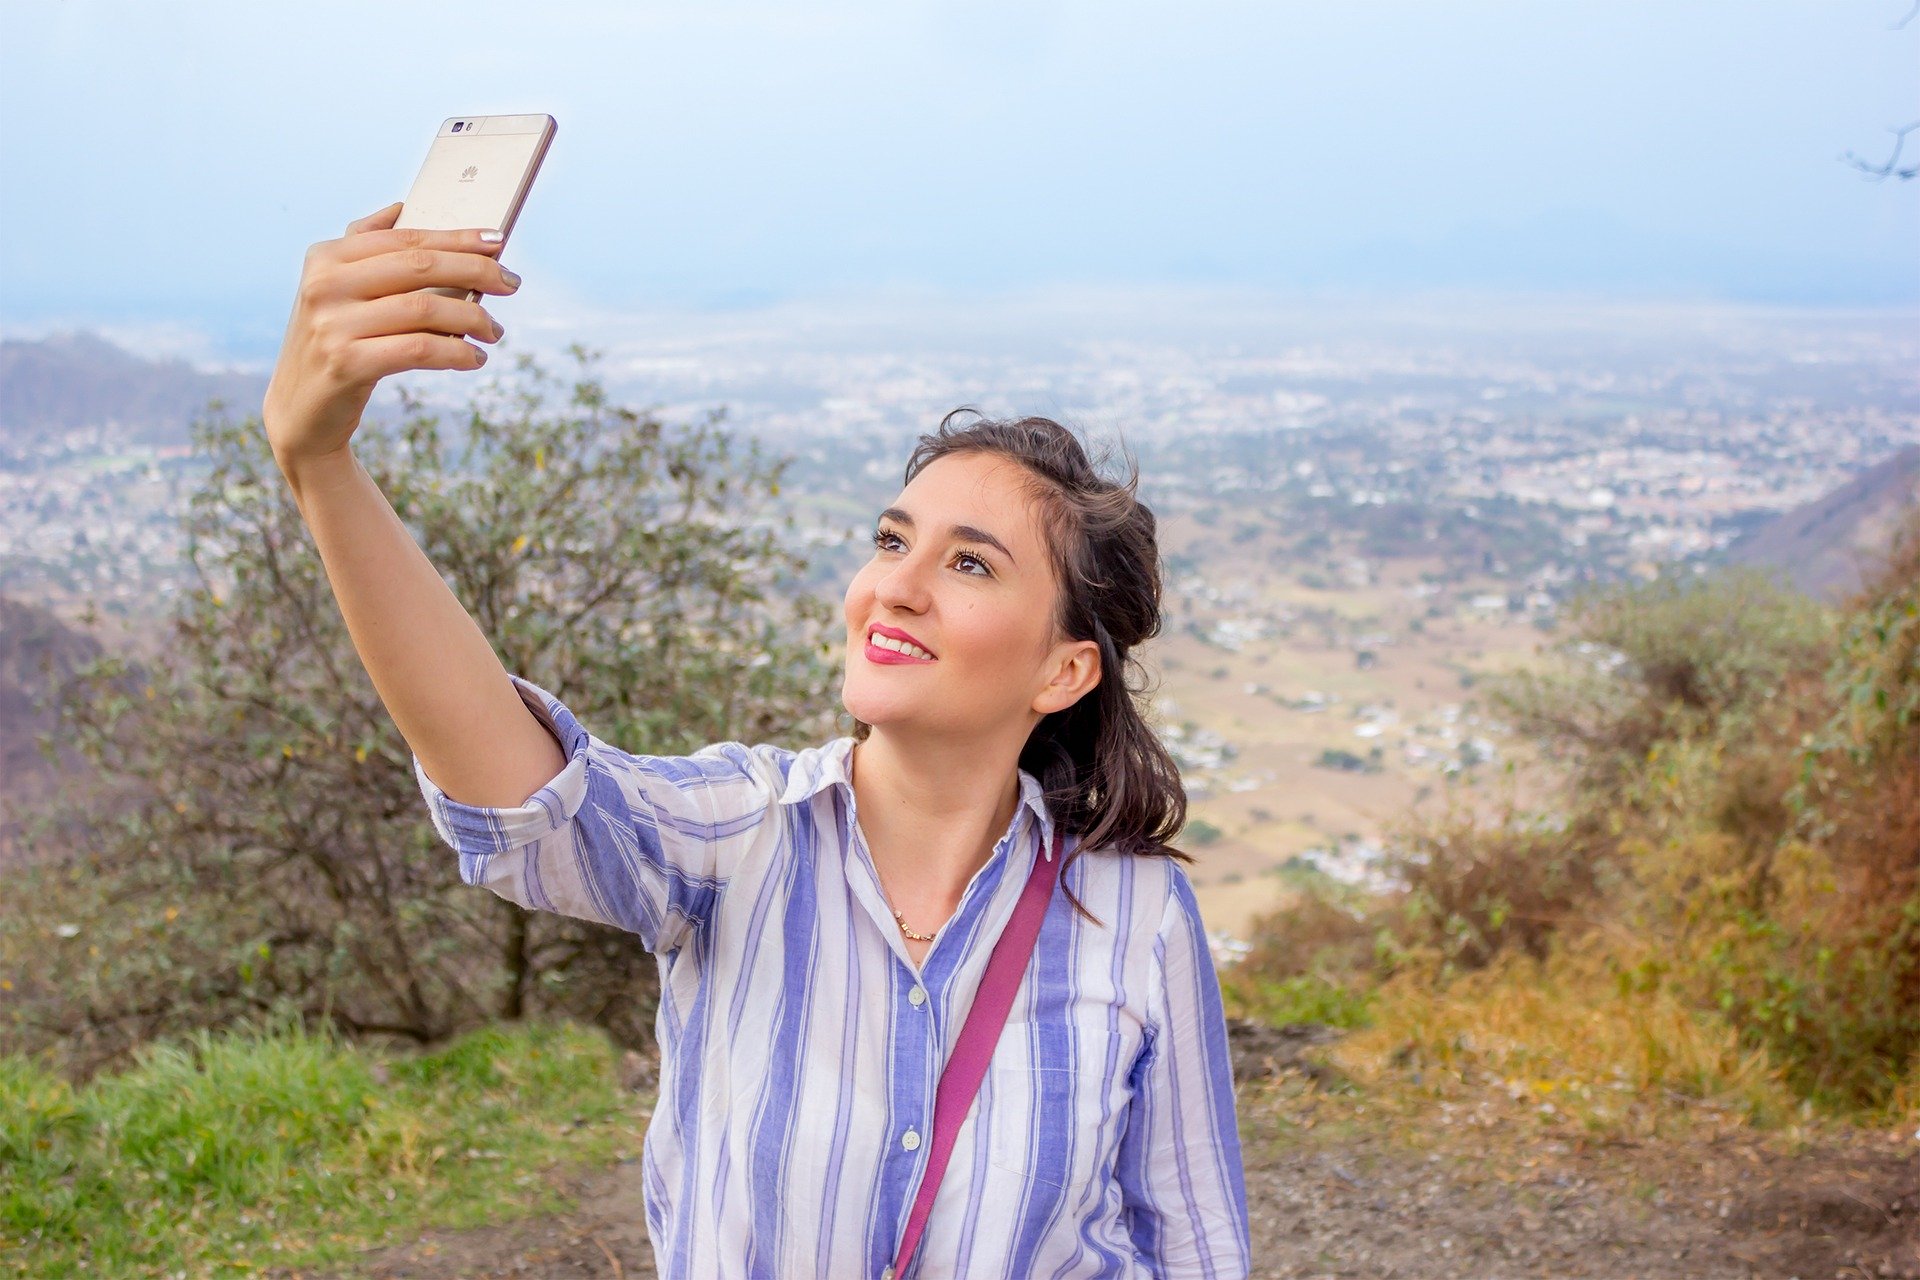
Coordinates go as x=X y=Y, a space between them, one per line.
x=1055 y=1125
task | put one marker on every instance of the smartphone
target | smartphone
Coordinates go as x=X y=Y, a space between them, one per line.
x=477 y=174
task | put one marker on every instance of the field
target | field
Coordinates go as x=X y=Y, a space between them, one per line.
x=1256 y=661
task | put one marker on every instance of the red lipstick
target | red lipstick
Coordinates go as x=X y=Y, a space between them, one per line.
x=877 y=654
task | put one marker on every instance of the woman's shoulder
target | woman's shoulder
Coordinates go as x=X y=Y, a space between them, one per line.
x=785 y=774
x=767 y=762
x=1138 y=894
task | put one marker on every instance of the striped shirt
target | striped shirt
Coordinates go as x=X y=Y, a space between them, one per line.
x=801 y=1045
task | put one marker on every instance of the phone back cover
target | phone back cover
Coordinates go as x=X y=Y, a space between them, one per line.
x=474 y=177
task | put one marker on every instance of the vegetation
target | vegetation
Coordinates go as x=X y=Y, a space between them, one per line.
x=277 y=856
x=1722 y=901
x=1340 y=758
x=1200 y=832
x=271 y=1144
x=256 y=999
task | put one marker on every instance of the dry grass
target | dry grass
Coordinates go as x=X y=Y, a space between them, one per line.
x=1574 y=1040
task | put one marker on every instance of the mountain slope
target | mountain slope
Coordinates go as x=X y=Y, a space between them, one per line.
x=74 y=380
x=38 y=653
x=1826 y=546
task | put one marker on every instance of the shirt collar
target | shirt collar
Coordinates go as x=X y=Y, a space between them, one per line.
x=816 y=768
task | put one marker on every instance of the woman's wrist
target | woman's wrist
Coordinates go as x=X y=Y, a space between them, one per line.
x=316 y=473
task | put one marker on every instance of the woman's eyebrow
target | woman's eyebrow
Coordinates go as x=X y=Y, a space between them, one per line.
x=964 y=532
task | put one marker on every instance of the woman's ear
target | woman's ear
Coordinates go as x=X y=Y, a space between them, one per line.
x=1076 y=672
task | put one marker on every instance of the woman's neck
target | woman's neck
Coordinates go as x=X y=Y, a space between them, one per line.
x=930 y=823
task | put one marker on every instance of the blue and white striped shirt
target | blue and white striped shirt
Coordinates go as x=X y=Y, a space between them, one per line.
x=801 y=1046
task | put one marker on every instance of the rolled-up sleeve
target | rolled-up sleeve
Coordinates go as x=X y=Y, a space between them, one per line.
x=643 y=843
x=1179 y=1165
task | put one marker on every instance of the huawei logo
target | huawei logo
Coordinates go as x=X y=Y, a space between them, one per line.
x=467 y=174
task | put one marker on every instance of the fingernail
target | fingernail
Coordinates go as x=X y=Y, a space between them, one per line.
x=491 y=237
x=513 y=281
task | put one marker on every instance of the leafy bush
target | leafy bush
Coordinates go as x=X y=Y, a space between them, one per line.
x=1322 y=932
x=1337 y=758
x=1310 y=960
x=1475 y=889
x=1723 y=896
x=281 y=858
x=1829 y=978
x=1648 y=666
x=1201 y=832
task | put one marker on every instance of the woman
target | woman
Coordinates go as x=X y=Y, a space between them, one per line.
x=823 y=917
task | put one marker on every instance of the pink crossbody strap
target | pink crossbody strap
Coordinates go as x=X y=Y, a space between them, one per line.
x=960 y=1080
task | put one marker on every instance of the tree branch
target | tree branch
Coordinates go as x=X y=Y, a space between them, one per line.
x=1880 y=172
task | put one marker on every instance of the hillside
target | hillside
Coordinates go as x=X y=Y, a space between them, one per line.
x=74 y=380
x=37 y=651
x=1823 y=547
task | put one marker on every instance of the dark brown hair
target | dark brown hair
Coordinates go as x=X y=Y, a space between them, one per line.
x=1105 y=773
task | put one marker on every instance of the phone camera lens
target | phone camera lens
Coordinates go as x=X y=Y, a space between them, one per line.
x=458 y=125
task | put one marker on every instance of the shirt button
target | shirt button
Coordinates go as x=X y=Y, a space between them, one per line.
x=917 y=996
x=910 y=1140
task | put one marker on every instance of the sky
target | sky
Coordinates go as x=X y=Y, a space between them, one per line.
x=169 y=163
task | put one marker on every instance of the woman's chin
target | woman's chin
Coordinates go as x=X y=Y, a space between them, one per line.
x=879 y=707
x=873 y=711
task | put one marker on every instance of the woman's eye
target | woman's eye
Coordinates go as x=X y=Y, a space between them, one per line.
x=882 y=537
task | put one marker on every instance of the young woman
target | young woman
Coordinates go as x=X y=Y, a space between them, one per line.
x=823 y=917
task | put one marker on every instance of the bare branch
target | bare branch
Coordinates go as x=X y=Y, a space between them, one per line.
x=1889 y=169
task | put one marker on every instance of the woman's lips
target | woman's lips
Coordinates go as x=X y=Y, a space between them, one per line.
x=893 y=657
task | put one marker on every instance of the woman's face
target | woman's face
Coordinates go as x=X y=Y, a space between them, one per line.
x=960 y=564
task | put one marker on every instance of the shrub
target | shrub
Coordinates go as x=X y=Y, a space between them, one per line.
x=1733 y=840
x=1669 y=660
x=1201 y=832
x=280 y=857
x=1476 y=888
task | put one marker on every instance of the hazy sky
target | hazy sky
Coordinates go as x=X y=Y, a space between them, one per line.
x=170 y=162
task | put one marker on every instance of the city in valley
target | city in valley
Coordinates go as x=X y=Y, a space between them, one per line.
x=1363 y=512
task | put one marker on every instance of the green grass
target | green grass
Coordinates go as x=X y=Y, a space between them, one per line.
x=270 y=1147
x=1304 y=998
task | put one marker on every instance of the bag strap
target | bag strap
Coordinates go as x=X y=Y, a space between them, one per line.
x=960 y=1079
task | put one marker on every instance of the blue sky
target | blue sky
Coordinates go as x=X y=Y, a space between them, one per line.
x=169 y=163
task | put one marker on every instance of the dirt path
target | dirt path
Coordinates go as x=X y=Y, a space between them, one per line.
x=1357 y=1205
x=1335 y=1193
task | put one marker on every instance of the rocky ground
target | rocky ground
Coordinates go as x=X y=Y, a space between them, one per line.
x=1337 y=1191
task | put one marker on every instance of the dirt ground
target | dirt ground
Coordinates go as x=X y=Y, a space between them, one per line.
x=1335 y=1194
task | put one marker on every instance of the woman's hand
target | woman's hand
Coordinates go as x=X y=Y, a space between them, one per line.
x=363 y=311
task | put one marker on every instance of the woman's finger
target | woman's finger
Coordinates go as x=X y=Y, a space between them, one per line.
x=377 y=220
x=409 y=269
x=420 y=311
x=379 y=240
x=367 y=360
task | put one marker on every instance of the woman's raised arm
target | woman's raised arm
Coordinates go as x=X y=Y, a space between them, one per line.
x=539 y=810
x=448 y=693
x=363 y=311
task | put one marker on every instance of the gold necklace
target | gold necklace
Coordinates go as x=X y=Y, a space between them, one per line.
x=917 y=937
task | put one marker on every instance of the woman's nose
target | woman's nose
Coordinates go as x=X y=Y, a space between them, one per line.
x=904 y=582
